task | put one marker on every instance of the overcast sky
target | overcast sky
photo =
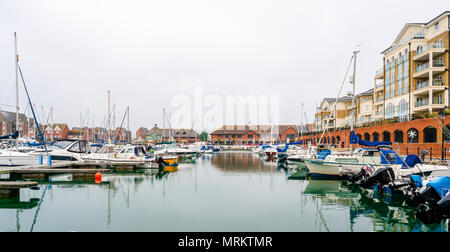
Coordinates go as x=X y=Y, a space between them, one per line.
x=146 y=52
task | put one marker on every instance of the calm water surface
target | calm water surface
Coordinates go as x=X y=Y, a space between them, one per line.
x=221 y=192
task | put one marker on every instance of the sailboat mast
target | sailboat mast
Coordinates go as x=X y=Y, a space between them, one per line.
x=108 y=128
x=301 y=123
x=16 y=56
x=52 y=123
x=353 y=81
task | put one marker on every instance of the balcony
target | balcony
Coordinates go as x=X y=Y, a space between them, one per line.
x=379 y=85
x=378 y=113
x=423 y=54
x=379 y=73
x=421 y=103
x=424 y=104
x=423 y=70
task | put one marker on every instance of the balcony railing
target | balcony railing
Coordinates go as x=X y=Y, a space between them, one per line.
x=422 y=84
x=422 y=67
x=438 y=63
x=438 y=100
x=438 y=82
x=379 y=71
x=422 y=103
x=379 y=84
x=430 y=46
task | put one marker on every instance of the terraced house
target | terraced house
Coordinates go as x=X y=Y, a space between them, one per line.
x=8 y=124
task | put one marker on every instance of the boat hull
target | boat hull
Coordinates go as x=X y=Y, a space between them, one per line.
x=320 y=168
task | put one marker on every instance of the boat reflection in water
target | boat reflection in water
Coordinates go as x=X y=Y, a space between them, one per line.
x=241 y=162
x=386 y=214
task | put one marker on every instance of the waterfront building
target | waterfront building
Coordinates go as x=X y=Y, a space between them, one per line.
x=364 y=108
x=258 y=134
x=415 y=73
x=60 y=131
x=157 y=134
x=8 y=123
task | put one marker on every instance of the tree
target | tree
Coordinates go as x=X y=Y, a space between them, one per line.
x=203 y=136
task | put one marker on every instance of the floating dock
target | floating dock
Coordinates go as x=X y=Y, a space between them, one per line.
x=12 y=188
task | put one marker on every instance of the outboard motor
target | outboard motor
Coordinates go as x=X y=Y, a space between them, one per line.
x=381 y=177
x=435 y=212
x=434 y=191
x=365 y=173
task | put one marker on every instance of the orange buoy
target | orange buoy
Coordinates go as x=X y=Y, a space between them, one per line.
x=98 y=175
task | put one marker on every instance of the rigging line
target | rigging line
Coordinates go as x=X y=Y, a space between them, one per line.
x=335 y=101
x=32 y=110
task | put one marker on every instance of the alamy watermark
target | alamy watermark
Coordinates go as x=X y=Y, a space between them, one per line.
x=208 y=112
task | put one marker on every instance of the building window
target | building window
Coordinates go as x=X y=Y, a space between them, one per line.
x=366 y=137
x=376 y=136
x=429 y=135
x=250 y=136
x=398 y=136
x=436 y=26
x=386 y=136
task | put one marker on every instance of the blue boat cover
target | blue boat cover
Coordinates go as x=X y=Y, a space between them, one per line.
x=323 y=154
x=354 y=139
x=34 y=144
x=285 y=148
x=392 y=156
x=441 y=185
x=417 y=180
x=411 y=161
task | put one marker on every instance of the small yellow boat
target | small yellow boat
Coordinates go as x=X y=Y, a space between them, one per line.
x=171 y=160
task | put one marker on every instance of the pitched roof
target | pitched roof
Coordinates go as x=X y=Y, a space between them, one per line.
x=11 y=116
x=258 y=129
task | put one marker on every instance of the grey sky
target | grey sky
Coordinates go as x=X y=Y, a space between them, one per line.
x=145 y=52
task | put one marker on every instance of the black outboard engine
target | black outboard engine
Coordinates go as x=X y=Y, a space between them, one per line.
x=365 y=173
x=433 y=192
x=428 y=195
x=435 y=212
x=382 y=176
x=161 y=162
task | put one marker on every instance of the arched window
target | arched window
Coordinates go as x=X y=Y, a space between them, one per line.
x=338 y=139
x=413 y=135
x=398 y=136
x=359 y=136
x=429 y=135
x=333 y=140
x=419 y=50
x=390 y=111
x=376 y=136
x=386 y=136
x=328 y=138
x=367 y=136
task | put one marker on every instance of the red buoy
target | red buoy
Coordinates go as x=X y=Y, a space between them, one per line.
x=98 y=176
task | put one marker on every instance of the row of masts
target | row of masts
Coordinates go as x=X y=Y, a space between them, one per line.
x=50 y=119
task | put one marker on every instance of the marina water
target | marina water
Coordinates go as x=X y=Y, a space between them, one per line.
x=227 y=191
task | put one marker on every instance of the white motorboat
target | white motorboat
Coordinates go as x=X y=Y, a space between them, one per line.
x=64 y=151
x=11 y=157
